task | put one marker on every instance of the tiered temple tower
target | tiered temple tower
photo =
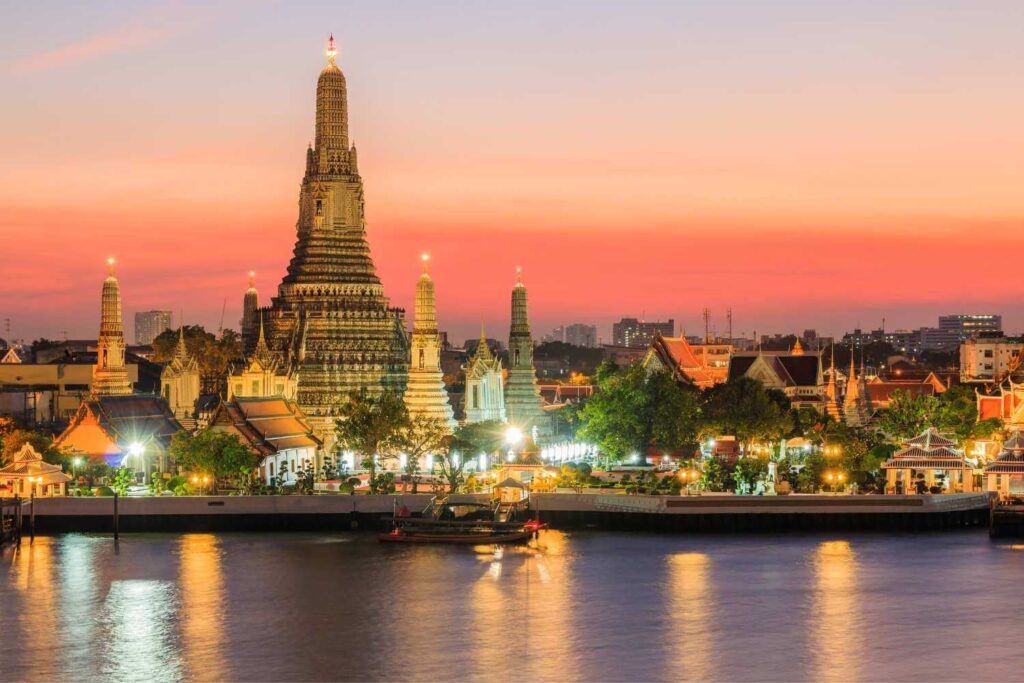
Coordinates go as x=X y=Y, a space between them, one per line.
x=180 y=382
x=425 y=393
x=109 y=375
x=250 y=316
x=831 y=394
x=330 y=315
x=522 y=396
x=485 y=394
x=855 y=410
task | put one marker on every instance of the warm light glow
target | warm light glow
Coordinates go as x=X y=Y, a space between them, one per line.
x=135 y=449
x=513 y=435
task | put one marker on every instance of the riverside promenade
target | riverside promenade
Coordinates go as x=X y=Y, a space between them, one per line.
x=686 y=514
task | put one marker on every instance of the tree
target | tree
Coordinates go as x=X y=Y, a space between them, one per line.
x=424 y=436
x=467 y=441
x=220 y=454
x=372 y=426
x=633 y=409
x=907 y=415
x=744 y=408
x=957 y=414
x=122 y=479
x=12 y=438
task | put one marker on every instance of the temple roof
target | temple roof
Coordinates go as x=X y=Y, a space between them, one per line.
x=792 y=370
x=107 y=425
x=676 y=355
x=930 y=439
x=268 y=425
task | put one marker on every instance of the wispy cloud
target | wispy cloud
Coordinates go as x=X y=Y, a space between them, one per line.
x=153 y=25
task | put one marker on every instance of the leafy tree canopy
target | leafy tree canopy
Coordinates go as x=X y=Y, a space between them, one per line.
x=219 y=454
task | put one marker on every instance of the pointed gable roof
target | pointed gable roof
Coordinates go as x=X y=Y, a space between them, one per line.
x=675 y=355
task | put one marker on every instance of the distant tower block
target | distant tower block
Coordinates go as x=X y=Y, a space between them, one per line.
x=109 y=375
x=425 y=393
x=330 y=315
x=523 y=402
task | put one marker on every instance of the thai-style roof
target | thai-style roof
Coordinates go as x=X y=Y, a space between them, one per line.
x=1011 y=459
x=927 y=450
x=880 y=392
x=929 y=439
x=794 y=371
x=677 y=357
x=268 y=425
x=27 y=462
x=510 y=483
x=107 y=425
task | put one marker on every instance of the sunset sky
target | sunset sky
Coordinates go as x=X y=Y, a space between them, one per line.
x=815 y=164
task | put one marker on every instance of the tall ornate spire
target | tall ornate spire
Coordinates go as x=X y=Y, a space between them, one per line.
x=831 y=393
x=425 y=393
x=522 y=396
x=483 y=349
x=109 y=375
x=330 y=317
x=331 y=106
x=250 y=311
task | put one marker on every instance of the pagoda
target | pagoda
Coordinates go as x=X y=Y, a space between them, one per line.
x=109 y=375
x=523 y=402
x=1005 y=475
x=330 y=315
x=425 y=393
x=250 y=316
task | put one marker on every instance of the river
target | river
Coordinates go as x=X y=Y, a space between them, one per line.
x=578 y=606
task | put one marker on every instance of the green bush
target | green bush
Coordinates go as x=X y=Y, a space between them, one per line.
x=104 y=491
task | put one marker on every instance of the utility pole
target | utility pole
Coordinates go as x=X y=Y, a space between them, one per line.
x=707 y=325
x=728 y=317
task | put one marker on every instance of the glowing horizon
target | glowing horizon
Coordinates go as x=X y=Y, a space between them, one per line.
x=815 y=167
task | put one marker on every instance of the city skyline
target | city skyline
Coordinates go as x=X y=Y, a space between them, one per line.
x=186 y=174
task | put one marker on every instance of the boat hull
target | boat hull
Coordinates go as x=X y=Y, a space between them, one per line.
x=463 y=539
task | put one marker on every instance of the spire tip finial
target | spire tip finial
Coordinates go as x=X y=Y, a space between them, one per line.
x=110 y=265
x=425 y=258
x=332 y=51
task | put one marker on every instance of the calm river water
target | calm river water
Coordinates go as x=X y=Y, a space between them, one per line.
x=582 y=606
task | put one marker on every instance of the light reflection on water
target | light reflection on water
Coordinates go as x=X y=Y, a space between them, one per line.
x=583 y=606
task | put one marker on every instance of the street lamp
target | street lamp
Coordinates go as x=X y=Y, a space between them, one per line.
x=831 y=450
x=75 y=464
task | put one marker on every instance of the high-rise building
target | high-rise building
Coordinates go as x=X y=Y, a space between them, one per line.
x=523 y=402
x=425 y=393
x=150 y=324
x=639 y=334
x=579 y=334
x=109 y=375
x=555 y=335
x=969 y=326
x=330 y=314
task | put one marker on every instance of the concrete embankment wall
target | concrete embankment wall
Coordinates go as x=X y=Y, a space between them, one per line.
x=221 y=513
x=708 y=513
x=724 y=513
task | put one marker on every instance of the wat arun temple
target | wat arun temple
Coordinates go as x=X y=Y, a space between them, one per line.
x=330 y=320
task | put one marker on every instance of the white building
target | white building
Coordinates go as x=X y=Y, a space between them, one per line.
x=989 y=359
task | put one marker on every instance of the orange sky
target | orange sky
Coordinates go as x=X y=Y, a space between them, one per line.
x=810 y=165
